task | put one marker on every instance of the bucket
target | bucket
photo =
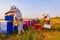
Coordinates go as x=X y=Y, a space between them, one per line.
x=47 y=26
x=33 y=22
x=26 y=23
x=37 y=26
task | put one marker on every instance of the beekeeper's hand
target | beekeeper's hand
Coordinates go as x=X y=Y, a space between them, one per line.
x=10 y=14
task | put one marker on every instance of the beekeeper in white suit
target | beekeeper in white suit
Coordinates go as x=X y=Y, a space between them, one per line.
x=46 y=18
x=18 y=17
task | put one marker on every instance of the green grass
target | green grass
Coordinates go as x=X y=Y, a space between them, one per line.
x=41 y=34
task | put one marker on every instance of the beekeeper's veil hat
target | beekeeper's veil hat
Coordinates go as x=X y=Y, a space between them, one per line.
x=43 y=14
x=13 y=8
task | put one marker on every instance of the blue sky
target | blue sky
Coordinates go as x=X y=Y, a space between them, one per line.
x=32 y=8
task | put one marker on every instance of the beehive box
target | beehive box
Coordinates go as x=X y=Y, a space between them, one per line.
x=6 y=27
x=9 y=18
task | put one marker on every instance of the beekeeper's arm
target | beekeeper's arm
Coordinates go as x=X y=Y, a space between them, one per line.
x=8 y=12
x=18 y=19
x=48 y=18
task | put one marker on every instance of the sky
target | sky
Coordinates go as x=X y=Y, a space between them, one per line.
x=31 y=8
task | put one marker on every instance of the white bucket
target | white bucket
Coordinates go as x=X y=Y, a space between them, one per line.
x=47 y=26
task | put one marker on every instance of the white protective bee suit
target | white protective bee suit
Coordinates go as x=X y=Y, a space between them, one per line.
x=18 y=18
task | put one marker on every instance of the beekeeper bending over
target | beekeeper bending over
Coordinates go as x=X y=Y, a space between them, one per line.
x=46 y=18
x=18 y=17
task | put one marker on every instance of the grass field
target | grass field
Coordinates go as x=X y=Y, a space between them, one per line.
x=40 y=34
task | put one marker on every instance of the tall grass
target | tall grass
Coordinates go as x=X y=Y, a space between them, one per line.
x=32 y=34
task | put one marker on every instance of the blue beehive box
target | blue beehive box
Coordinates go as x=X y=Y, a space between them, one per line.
x=6 y=27
x=15 y=28
x=9 y=27
x=9 y=18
